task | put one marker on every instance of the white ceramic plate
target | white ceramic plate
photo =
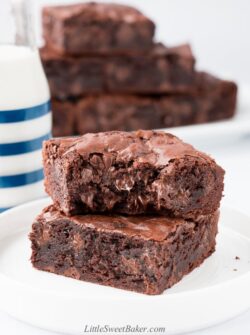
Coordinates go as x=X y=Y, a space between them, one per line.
x=213 y=293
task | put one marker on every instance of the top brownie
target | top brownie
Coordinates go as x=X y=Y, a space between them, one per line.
x=96 y=28
x=131 y=173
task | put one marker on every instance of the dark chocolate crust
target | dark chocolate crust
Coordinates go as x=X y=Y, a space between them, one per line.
x=143 y=254
x=131 y=173
x=96 y=28
x=161 y=70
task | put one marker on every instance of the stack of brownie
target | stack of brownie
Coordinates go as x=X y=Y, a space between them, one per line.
x=136 y=211
x=106 y=73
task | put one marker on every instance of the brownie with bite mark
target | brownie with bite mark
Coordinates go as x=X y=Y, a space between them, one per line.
x=141 y=172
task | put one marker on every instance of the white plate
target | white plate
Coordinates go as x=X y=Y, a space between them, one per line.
x=213 y=293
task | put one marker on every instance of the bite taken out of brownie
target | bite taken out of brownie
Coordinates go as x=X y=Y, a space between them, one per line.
x=141 y=172
x=146 y=254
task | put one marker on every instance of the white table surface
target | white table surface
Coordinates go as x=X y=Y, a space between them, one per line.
x=234 y=155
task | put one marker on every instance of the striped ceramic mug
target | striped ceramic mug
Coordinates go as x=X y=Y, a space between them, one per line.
x=25 y=122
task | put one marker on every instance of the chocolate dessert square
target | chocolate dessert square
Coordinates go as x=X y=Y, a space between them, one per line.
x=214 y=101
x=131 y=173
x=161 y=70
x=218 y=98
x=69 y=77
x=96 y=28
x=143 y=254
x=64 y=119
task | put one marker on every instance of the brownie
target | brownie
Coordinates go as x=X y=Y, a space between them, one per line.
x=131 y=173
x=221 y=98
x=146 y=254
x=118 y=112
x=69 y=77
x=96 y=28
x=161 y=70
x=164 y=70
x=126 y=113
x=215 y=100
x=64 y=118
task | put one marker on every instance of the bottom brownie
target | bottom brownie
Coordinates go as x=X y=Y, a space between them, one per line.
x=145 y=254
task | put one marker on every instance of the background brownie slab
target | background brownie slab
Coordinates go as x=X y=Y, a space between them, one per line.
x=143 y=254
x=131 y=173
x=64 y=119
x=161 y=70
x=69 y=76
x=119 y=112
x=224 y=94
x=96 y=28
x=165 y=70
x=216 y=101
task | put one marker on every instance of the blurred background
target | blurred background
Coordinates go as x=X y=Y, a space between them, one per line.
x=217 y=30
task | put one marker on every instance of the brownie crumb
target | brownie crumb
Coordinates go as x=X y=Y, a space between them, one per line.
x=237 y=258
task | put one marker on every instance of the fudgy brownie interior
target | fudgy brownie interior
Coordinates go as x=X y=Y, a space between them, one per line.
x=131 y=173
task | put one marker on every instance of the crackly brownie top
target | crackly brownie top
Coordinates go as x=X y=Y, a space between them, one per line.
x=157 y=228
x=96 y=11
x=140 y=147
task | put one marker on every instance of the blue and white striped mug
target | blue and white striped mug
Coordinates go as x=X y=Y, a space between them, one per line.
x=23 y=127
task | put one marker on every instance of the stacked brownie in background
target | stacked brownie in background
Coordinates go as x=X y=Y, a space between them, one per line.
x=136 y=211
x=106 y=73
